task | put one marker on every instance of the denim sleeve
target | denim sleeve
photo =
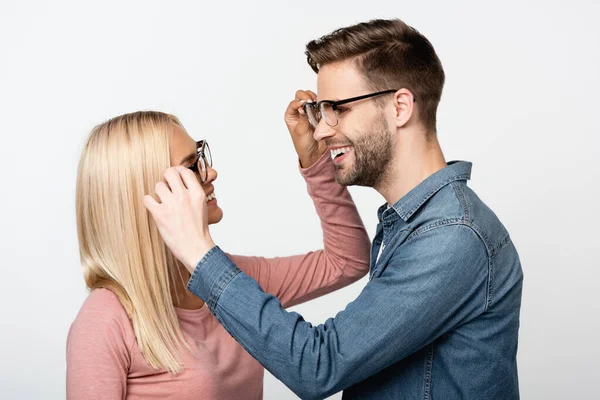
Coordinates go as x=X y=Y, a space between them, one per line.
x=434 y=282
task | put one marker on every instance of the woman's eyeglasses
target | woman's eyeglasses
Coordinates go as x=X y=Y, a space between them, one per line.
x=204 y=161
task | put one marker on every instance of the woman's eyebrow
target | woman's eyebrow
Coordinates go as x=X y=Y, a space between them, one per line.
x=189 y=157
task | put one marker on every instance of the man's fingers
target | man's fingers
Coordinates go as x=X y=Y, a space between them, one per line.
x=150 y=204
x=305 y=96
x=174 y=180
x=294 y=111
x=189 y=179
x=162 y=191
x=296 y=107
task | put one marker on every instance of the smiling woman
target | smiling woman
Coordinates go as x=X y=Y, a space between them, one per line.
x=140 y=333
x=197 y=157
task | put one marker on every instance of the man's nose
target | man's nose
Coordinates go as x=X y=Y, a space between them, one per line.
x=323 y=131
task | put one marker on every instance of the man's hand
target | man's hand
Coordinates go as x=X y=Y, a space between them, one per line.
x=309 y=150
x=182 y=215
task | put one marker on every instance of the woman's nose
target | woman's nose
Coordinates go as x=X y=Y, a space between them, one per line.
x=211 y=175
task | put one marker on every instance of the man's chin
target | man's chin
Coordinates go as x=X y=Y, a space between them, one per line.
x=343 y=178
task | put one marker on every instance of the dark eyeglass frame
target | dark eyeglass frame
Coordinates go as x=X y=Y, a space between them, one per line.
x=204 y=159
x=334 y=104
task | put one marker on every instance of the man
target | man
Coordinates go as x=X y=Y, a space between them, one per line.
x=439 y=316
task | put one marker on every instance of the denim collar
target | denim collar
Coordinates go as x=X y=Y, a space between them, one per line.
x=413 y=200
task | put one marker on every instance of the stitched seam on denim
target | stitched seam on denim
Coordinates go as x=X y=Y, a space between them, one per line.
x=435 y=189
x=436 y=224
x=208 y=254
x=452 y=221
x=474 y=228
x=406 y=215
x=428 y=373
x=490 y=289
x=460 y=195
x=502 y=244
x=483 y=237
x=194 y=275
x=220 y=287
x=371 y=254
x=491 y=255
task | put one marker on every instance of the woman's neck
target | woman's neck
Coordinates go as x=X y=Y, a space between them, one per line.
x=183 y=298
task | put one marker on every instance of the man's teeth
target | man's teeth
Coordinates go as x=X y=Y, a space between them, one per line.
x=210 y=196
x=336 y=152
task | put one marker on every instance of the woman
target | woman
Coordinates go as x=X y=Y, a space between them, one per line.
x=140 y=334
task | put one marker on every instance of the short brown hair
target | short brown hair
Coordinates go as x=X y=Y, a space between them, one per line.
x=390 y=55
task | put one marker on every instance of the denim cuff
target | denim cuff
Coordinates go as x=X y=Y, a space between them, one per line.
x=211 y=276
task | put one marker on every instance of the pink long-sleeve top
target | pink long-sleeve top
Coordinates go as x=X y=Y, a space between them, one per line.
x=105 y=362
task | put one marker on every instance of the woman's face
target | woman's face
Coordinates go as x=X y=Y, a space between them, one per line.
x=184 y=152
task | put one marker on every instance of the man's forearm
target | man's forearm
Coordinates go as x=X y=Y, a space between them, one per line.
x=381 y=327
x=296 y=352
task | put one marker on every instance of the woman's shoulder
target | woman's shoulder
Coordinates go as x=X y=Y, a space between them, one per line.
x=100 y=340
x=103 y=315
x=103 y=302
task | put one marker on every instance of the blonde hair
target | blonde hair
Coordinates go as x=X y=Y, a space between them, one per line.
x=119 y=244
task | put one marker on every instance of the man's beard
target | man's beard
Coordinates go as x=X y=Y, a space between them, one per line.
x=373 y=152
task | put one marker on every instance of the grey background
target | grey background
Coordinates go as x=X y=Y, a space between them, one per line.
x=521 y=103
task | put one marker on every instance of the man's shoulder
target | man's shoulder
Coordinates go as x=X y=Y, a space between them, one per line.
x=458 y=204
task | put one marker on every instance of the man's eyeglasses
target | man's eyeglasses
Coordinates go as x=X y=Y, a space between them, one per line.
x=200 y=166
x=329 y=110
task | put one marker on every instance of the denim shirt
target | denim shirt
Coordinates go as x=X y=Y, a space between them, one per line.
x=438 y=319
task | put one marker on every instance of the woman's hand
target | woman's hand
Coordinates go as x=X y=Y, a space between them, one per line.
x=181 y=215
x=309 y=150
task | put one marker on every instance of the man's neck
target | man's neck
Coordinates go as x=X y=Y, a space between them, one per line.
x=416 y=158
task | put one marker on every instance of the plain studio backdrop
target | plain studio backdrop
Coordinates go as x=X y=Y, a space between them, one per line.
x=520 y=102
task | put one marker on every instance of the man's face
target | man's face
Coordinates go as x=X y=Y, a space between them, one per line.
x=362 y=142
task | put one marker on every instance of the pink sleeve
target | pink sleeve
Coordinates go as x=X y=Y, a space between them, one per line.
x=344 y=259
x=97 y=350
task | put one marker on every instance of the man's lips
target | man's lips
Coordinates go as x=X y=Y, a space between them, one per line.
x=339 y=153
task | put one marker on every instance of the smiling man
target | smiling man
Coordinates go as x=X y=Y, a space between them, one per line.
x=439 y=317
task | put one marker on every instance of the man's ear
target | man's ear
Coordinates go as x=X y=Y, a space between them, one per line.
x=404 y=105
